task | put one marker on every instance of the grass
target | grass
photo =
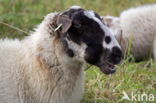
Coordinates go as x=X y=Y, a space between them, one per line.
x=130 y=77
x=18 y=17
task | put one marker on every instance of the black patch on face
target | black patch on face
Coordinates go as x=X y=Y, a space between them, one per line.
x=88 y=31
x=116 y=55
x=107 y=39
x=93 y=54
x=71 y=12
x=68 y=51
x=98 y=16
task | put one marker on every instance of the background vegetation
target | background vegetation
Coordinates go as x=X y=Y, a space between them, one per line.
x=19 y=17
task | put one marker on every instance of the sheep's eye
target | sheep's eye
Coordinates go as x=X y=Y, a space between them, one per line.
x=77 y=25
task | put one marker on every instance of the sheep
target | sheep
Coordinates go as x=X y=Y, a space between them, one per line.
x=135 y=26
x=47 y=66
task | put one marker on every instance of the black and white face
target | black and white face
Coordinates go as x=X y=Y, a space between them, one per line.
x=90 y=41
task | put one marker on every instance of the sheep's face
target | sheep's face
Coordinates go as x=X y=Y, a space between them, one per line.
x=87 y=39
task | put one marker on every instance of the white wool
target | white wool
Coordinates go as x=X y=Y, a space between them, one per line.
x=34 y=70
x=139 y=24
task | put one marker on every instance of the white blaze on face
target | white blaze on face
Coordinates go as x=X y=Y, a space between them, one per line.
x=79 y=50
x=113 y=43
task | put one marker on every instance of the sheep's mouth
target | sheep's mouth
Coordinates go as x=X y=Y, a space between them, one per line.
x=107 y=68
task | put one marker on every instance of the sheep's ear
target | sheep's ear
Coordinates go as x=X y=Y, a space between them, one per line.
x=63 y=23
x=107 y=20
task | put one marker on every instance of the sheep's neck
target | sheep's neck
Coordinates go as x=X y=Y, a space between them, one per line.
x=52 y=76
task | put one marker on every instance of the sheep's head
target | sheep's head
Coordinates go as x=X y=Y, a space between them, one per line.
x=87 y=39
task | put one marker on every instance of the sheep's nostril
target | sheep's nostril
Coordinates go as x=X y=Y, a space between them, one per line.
x=116 y=55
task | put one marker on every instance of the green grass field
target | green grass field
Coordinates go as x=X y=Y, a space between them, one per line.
x=19 y=17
